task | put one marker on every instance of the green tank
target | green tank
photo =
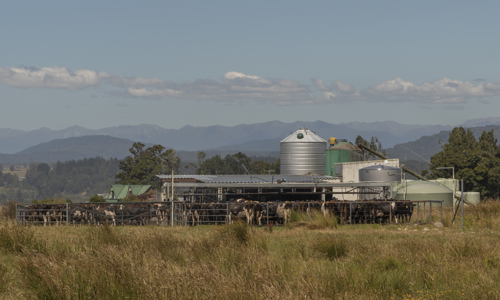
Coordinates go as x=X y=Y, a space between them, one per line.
x=425 y=190
x=340 y=152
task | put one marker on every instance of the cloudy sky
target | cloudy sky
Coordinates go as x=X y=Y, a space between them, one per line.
x=172 y=63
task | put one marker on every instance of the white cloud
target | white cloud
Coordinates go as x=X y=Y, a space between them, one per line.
x=236 y=86
x=443 y=90
x=50 y=77
x=318 y=82
x=343 y=87
x=121 y=81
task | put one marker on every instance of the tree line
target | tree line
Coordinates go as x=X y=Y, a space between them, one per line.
x=477 y=162
x=87 y=176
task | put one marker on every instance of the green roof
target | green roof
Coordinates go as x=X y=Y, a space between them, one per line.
x=121 y=191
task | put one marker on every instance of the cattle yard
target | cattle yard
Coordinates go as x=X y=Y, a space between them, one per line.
x=253 y=213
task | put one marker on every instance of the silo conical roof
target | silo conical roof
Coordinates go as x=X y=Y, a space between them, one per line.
x=307 y=137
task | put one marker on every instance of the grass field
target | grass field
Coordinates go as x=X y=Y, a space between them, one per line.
x=312 y=258
x=19 y=170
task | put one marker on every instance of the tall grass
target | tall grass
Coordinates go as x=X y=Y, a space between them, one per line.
x=313 y=220
x=8 y=211
x=302 y=261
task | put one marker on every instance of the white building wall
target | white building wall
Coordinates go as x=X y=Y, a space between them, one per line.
x=350 y=173
x=350 y=170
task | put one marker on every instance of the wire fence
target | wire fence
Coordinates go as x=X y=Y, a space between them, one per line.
x=254 y=213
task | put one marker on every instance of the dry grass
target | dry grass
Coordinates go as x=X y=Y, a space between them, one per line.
x=19 y=170
x=239 y=262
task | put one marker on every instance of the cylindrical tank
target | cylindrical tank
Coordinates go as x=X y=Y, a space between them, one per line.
x=425 y=190
x=473 y=198
x=339 y=153
x=380 y=173
x=302 y=152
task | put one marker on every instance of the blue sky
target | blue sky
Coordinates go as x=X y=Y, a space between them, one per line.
x=171 y=63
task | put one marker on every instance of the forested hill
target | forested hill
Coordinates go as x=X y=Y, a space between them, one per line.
x=103 y=146
x=425 y=147
x=71 y=149
x=72 y=179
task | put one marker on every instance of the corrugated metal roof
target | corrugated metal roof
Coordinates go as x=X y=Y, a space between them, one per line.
x=307 y=137
x=250 y=178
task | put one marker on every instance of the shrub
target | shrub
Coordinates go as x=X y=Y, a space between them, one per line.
x=97 y=199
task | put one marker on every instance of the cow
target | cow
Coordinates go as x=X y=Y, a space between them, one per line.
x=236 y=210
x=284 y=212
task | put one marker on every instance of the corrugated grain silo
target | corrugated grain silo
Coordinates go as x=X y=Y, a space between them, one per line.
x=302 y=152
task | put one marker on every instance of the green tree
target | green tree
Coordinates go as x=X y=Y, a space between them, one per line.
x=476 y=162
x=200 y=155
x=374 y=145
x=43 y=167
x=212 y=166
x=96 y=199
x=144 y=164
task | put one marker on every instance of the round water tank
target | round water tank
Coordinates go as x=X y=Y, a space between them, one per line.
x=380 y=173
x=302 y=152
x=425 y=190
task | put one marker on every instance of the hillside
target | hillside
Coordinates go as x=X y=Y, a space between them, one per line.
x=71 y=149
x=425 y=147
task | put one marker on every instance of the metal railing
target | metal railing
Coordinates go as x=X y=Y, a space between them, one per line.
x=254 y=213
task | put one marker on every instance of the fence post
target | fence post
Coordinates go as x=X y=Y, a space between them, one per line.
x=172 y=206
x=67 y=213
x=350 y=213
x=441 y=212
x=267 y=212
x=430 y=211
x=425 y=219
x=390 y=213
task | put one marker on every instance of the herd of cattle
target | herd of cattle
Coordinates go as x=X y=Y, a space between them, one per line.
x=253 y=213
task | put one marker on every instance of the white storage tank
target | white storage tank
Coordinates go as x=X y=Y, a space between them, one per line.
x=302 y=152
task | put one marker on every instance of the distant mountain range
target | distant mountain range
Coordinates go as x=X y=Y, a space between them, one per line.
x=408 y=142
x=222 y=137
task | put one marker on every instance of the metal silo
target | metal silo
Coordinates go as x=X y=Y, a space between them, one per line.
x=302 y=152
x=339 y=153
